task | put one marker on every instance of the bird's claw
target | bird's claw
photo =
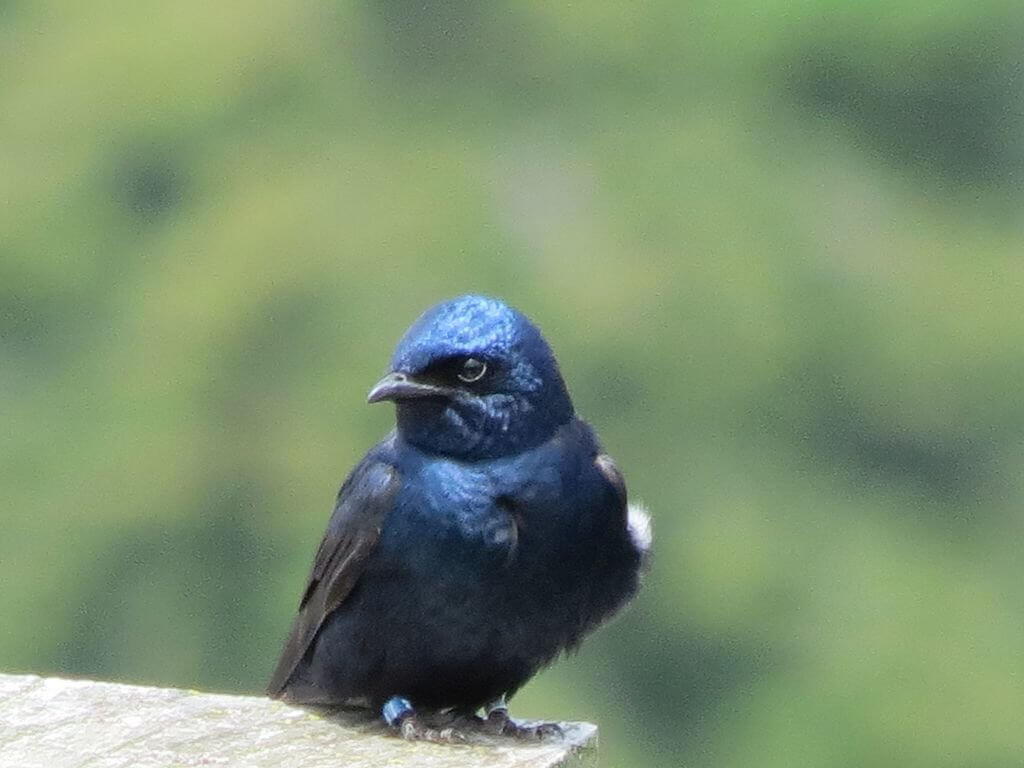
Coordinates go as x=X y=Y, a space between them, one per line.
x=495 y=722
x=499 y=723
x=546 y=731
x=411 y=729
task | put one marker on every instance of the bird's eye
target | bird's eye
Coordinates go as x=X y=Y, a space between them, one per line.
x=472 y=370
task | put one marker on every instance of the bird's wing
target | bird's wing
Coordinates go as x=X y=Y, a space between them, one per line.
x=363 y=504
x=610 y=471
x=638 y=521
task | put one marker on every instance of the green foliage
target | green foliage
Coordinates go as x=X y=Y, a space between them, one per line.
x=777 y=247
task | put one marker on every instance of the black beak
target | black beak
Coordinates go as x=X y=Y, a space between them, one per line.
x=400 y=386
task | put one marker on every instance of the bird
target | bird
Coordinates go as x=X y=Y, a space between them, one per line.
x=487 y=534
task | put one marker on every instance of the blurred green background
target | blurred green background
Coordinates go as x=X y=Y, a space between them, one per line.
x=778 y=247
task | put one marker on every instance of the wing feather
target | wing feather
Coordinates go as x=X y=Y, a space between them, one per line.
x=638 y=521
x=359 y=514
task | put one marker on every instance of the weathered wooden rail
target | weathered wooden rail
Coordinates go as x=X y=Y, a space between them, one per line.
x=53 y=723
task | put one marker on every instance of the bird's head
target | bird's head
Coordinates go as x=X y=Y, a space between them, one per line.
x=474 y=379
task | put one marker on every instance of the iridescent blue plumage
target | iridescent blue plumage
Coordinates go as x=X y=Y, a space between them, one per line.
x=469 y=325
x=483 y=537
x=521 y=404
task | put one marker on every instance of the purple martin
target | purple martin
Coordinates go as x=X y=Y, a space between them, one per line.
x=488 y=533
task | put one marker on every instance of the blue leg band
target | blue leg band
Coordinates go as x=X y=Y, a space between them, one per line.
x=395 y=710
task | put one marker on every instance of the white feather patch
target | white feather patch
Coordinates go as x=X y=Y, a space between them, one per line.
x=638 y=521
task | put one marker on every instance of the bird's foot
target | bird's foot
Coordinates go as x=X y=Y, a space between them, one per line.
x=399 y=714
x=412 y=729
x=502 y=724
x=498 y=722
